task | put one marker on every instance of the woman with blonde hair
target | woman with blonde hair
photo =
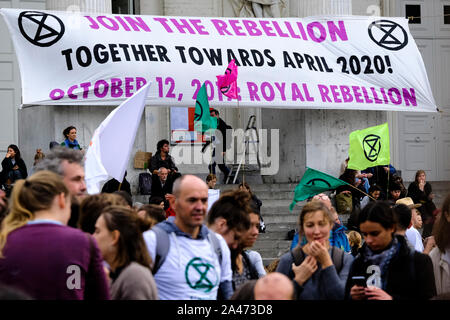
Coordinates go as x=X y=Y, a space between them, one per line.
x=318 y=270
x=39 y=254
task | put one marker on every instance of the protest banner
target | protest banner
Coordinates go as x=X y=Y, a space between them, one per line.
x=322 y=62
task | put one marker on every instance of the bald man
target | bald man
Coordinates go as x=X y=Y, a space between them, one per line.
x=274 y=286
x=197 y=264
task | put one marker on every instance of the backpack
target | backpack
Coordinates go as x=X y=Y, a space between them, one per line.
x=337 y=256
x=145 y=183
x=163 y=245
x=344 y=203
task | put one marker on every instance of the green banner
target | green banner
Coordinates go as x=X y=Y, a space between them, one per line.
x=202 y=119
x=369 y=147
x=314 y=182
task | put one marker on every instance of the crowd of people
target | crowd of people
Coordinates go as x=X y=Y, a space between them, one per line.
x=58 y=242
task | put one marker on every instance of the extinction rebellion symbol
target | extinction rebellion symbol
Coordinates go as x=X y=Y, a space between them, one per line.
x=41 y=29
x=201 y=275
x=388 y=34
x=318 y=183
x=372 y=147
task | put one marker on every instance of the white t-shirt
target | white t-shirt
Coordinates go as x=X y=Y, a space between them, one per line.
x=191 y=270
x=415 y=239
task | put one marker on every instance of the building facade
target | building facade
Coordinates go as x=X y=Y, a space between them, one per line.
x=313 y=138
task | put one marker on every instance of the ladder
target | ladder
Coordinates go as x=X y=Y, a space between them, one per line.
x=251 y=136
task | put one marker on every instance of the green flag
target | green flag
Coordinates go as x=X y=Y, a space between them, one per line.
x=369 y=147
x=314 y=182
x=202 y=119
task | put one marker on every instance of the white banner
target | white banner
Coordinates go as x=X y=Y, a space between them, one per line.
x=332 y=62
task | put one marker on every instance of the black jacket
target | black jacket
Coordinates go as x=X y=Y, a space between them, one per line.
x=159 y=191
x=156 y=162
x=7 y=167
x=410 y=274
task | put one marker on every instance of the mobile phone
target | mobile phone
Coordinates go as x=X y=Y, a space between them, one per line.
x=359 y=281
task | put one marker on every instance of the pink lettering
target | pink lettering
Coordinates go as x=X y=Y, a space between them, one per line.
x=337 y=31
x=357 y=94
x=311 y=33
x=128 y=87
x=267 y=29
x=296 y=93
x=278 y=28
x=397 y=92
x=253 y=91
x=137 y=23
x=182 y=25
x=85 y=86
x=56 y=94
x=198 y=26
x=336 y=93
x=70 y=92
x=103 y=21
x=346 y=94
x=281 y=88
x=97 y=91
x=221 y=27
x=94 y=24
x=164 y=23
x=252 y=28
x=270 y=95
x=116 y=90
x=324 y=93
x=236 y=27
x=409 y=96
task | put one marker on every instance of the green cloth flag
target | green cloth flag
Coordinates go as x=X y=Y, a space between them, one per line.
x=369 y=147
x=202 y=119
x=314 y=182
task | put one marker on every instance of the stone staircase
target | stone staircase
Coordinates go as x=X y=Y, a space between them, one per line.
x=276 y=199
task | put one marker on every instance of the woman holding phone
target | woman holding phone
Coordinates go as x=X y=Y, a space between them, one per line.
x=390 y=268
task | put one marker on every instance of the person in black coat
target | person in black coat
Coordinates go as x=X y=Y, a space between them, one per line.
x=113 y=185
x=161 y=185
x=391 y=269
x=220 y=145
x=13 y=166
x=421 y=192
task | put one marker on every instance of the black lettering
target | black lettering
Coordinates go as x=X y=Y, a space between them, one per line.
x=268 y=56
x=324 y=62
x=124 y=47
x=162 y=53
x=214 y=56
x=100 y=54
x=231 y=56
x=310 y=62
x=181 y=50
x=197 y=60
x=318 y=63
x=138 y=51
x=87 y=54
x=151 y=52
x=287 y=60
x=114 y=52
x=299 y=59
x=258 y=58
x=66 y=53
x=244 y=57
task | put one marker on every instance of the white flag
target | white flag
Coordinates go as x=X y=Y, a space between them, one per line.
x=110 y=147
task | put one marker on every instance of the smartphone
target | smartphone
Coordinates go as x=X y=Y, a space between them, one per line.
x=359 y=281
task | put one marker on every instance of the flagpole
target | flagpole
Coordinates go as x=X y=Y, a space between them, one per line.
x=120 y=185
x=361 y=191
